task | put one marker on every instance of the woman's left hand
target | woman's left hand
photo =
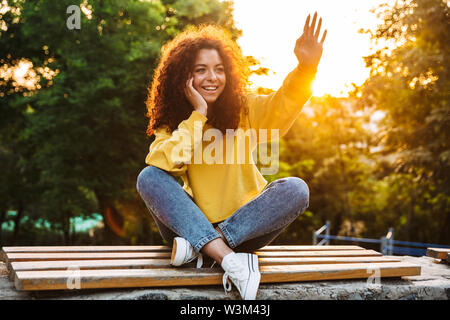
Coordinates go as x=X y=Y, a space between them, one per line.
x=308 y=49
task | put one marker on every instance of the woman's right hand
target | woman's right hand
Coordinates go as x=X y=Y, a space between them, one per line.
x=195 y=98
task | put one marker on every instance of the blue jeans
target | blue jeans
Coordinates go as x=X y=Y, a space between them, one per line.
x=252 y=226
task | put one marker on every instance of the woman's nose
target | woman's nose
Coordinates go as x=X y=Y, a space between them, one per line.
x=212 y=76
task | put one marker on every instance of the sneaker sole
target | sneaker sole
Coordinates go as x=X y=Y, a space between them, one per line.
x=253 y=280
x=174 y=258
x=179 y=252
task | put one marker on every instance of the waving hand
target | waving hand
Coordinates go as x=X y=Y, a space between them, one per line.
x=308 y=48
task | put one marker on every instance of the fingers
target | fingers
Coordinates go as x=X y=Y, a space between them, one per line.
x=323 y=37
x=189 y=83
x=316 y=35
x=306 y=27
x=313 y=25
x=309 y=29
x=188 y=89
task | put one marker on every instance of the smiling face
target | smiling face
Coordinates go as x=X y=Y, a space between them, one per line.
x=209 y=75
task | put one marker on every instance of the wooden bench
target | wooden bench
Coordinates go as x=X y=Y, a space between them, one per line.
x=439 y=253
x=57 y=268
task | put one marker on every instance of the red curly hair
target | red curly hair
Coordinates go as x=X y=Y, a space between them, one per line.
x=166 y=102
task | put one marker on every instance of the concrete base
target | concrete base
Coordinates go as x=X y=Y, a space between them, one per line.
x=432 y=284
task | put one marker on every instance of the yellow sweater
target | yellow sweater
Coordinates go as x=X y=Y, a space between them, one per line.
x=222 y=183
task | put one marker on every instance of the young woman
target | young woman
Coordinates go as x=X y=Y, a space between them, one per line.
x=225 y=209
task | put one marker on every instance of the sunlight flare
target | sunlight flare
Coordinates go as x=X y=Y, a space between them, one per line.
x=272 y=43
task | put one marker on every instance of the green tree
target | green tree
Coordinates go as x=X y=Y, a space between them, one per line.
x=75 y=142
x=409 y=82
x=330 y=147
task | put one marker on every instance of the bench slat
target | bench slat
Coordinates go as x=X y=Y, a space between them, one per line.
x=155 y=263
x=325 y=260
x=86 y=265
x=74 y=249
x=49 y=249
x=16 y=257
x=67 y=249
x=310 y=248
x=121 y=278
x=336 y=253
x=438 y=253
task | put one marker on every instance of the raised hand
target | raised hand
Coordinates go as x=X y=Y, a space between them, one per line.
x=195 y=98
x=308 y=49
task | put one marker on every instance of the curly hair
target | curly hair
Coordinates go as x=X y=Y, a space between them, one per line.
x=166 y=102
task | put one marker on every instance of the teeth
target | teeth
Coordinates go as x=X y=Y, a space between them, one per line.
x=210 y=88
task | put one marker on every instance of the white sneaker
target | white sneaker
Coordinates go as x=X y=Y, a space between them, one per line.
x=183 y=252
x=242 y=269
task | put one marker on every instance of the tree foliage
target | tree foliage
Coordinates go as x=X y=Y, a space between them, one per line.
x=409 y=82
x=75 y=141
x=365 y=181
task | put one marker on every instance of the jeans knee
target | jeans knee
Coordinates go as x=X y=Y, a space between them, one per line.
x=146 y=177
x=300 y=193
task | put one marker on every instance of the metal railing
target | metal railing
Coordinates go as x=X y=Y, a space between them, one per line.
x=387 y=242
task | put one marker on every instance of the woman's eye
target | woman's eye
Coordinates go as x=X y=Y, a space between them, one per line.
x=200 y=70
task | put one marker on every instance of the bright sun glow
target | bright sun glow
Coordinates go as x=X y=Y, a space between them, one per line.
x=270 y=29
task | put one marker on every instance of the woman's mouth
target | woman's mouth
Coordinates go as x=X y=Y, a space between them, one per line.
x=210 y=89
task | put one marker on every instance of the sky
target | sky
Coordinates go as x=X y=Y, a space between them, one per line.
x=271 y=27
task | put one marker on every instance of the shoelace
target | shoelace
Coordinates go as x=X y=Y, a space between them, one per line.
x=226 y=282
x=199 y=257
x=199 y=261
x=234 y=273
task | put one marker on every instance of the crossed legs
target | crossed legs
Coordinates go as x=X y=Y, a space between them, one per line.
x=251 y=227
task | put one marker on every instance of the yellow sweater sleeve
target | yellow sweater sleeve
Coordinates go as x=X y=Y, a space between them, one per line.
x=173 y=151
x=279 y=109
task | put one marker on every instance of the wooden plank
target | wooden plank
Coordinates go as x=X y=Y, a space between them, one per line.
x=86 y=264
x=325 y=260
x=67 y=249
x=90 y=264
x=293 y=273
x=151 y=263
x=50 y=249
x=54 y=280
x=334 y=253
x=55 y=249
x=309 y=248
x=15 y=257
x=438 y=253
x=74 y=249
x=159 y=263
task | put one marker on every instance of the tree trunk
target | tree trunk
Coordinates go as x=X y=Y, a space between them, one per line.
x=66 y=228
x=106 y=207
x=2 y=218
x=444 y=235
x=410 y=218
x=17 y=219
